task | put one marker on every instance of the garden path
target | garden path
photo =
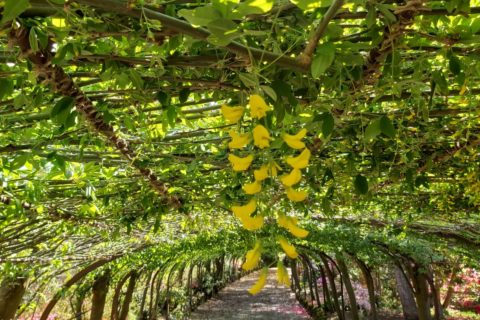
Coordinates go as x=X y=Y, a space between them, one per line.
x=234 y=302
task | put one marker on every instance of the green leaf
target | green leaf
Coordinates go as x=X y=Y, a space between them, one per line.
x=323 y=59
x=371 y=17
x=254 y=7
x=18 y=161
x=327 y=124
x=13 y=8
x=372 y=130
x=455 y=65
x=224 y=30
x=311 y=4
x=62 y=110
x=248 y=79
x=183 y=95
x=386 y=126
x=361 y=184
x=200 y=16
x=163 y=98
x=270 y=92
x=32 y=39
x=440 y=81
x=172 y=116
x=475 y=25
x=387 y=14
x=6 y=88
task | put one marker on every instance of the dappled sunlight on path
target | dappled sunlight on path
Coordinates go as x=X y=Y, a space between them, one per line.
x=234 y=302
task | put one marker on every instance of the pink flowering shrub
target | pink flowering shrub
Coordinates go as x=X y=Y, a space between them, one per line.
x=467 y=291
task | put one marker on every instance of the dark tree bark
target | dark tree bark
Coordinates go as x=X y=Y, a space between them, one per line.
x=348 y=285
x=11 y=293
x=419 y=280
x=114 y=314
x=313 y=277
x=331 y=280
x=451 y=285
x=327 y=300
x=142 y=312
x=128 y=297
x=435 y=296
x=77 y=277
x=370 y=286
x=405 y=293
x=79 y=298
x=99 y=295
x=296 y=281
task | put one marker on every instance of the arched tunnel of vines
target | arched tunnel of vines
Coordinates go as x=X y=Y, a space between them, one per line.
x=227 y=159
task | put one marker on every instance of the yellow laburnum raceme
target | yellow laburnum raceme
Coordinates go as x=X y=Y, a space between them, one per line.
x=240 y=164
x=261 y=174
x=246 y=210
x=262 y=280
x=292 y=178
x=239 y=140
x=252 y=188
x=261 y=137
x=232 y=114
x=282 y=275
x=258 y=107
x=300 y=161
x=295 y=195
x=252 y=257
x=288 y=248
x=252 y=223
x=294 y=141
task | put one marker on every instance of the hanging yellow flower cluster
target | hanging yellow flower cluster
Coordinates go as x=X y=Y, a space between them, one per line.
x=261 y=137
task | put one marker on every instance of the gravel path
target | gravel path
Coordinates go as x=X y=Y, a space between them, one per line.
x=234 y=302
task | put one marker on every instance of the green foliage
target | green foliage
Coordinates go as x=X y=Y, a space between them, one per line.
x=393 y=131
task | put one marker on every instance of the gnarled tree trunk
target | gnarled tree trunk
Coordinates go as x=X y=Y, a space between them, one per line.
x=99 y=295
x=11 y=293
x=128 y=297
x=406 y=296
x=348 y=285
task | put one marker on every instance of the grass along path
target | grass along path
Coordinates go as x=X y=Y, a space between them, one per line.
x=234 y=302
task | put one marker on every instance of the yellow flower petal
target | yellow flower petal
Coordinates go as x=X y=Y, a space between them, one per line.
x=283 y=221
x=298 y=232
x=261 y=137
x=252 y=188
x=288 y=248
x=290 y=223
x=294 y=141
x=252 y=223
x=252 y=257
x=262 y=280
x=238 y=140
x=246 y=210
x=301 y=161
x=261 y=174
x=240 y=164
x=292 y=178
x=282 y=275
x=232 y=114
x=258 y=107
x=295 y=195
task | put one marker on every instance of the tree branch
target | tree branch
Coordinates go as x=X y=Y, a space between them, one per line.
x=305 y=58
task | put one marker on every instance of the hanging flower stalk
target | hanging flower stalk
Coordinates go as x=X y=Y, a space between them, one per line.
x=241 y=161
